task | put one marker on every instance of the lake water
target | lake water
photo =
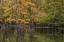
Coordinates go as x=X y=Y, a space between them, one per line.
x=38 y=37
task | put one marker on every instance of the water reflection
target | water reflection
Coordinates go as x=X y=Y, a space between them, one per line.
x=38 y=37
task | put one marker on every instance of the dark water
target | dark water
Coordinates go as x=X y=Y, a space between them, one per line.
x=38 y=37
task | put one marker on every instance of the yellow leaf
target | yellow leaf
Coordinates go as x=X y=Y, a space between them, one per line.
x=24 y=12
x=26 y=23
x=7 y=9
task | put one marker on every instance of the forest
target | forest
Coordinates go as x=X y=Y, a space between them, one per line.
x=31 y=20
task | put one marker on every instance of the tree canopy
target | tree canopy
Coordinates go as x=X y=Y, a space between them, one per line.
x=49 y=11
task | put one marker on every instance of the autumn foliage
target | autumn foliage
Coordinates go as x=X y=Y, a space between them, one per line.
x=22 y=8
